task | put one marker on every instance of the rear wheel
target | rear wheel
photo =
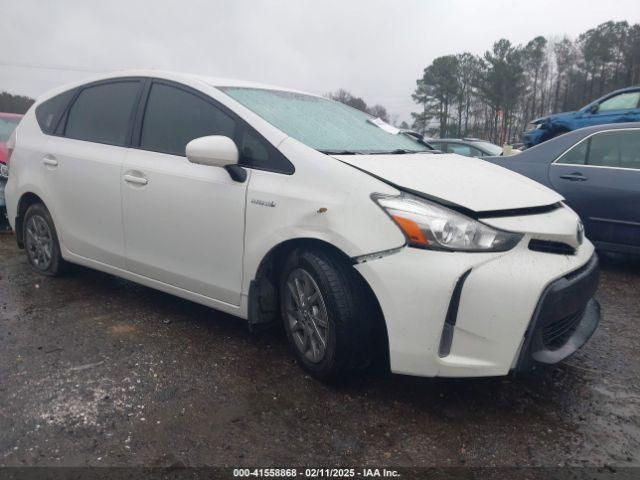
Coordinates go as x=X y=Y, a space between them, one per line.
x=320 y=305
x=41 y=241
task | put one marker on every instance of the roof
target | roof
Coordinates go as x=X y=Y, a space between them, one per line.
x=178 y=77
x=633 y=88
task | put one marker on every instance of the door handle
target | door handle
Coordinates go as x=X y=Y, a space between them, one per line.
x=50 y=161
x=575 y=177
x=135 y=179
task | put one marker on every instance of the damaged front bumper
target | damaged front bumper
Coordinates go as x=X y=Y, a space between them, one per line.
x=564 y=320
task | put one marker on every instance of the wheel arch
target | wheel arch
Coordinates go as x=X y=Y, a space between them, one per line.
x=26 y=200
x=264 y=300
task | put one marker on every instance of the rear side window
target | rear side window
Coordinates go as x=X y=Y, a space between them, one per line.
x=174 y=117
x=48 y=112
x=102 y=113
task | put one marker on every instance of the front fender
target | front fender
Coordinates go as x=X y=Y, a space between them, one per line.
x=259 y=242
x=560 y=125
x=325 y=199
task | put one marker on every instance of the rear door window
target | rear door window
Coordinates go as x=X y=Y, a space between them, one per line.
x=620 y=149
x=103 y=113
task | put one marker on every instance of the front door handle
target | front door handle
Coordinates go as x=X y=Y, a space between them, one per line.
x=50 y=161
x=135 y=179
x=575 y=177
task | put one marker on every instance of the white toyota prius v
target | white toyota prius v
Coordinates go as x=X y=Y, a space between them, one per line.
x=277 y=205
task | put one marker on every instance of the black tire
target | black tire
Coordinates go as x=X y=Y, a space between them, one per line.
x=38 y=217
x=350 y=328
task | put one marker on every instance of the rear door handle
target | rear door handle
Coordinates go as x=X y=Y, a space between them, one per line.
x=50 y=160
x=135 y=179
x=575 y=177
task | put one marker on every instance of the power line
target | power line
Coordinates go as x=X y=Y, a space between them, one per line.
x=50 y=67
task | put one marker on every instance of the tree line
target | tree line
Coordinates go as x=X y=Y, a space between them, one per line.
x=347 y=98
x=14 y=103
x=493 y=96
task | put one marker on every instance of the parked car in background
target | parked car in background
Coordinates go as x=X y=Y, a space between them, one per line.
x=469 y=147
x=620 y=106
x=597 y=171
x=8 y=122
x=419 y=137
x=290 y=207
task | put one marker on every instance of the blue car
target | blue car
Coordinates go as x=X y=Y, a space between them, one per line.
x=617 y=107
x=597 y=171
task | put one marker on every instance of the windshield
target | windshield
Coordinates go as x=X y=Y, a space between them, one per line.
x=323 y=124
x=6 y=127
x=490 y=148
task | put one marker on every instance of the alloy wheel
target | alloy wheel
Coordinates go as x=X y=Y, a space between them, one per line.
x=39 y=242
x=306 y=314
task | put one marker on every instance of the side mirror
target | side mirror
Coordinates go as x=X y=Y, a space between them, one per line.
x=593 y=108
x=214 y=150
x=217 y=151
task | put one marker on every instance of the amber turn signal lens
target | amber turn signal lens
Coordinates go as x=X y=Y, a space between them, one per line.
x=411 y=230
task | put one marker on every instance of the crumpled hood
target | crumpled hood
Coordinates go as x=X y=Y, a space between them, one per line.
x=554 y=117
x=468 y=182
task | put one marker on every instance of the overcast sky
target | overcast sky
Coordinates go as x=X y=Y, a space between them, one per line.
x=374 y=48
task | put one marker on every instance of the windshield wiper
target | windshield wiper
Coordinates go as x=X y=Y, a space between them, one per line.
x=398 y=151
x=340 y=152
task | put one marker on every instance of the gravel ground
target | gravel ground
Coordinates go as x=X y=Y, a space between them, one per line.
x=95 y=370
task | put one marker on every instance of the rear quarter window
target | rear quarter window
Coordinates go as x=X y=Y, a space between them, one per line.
x=49 y=112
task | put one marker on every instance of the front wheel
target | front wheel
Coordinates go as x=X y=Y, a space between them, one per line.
x=321 y=310
x=41 y=241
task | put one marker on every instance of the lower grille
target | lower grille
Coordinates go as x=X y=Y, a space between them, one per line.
x=565 y=318
x=556 y=334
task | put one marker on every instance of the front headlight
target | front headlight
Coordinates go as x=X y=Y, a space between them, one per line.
x=429 y=225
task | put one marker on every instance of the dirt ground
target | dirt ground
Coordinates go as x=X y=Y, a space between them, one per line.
x=95 y=370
